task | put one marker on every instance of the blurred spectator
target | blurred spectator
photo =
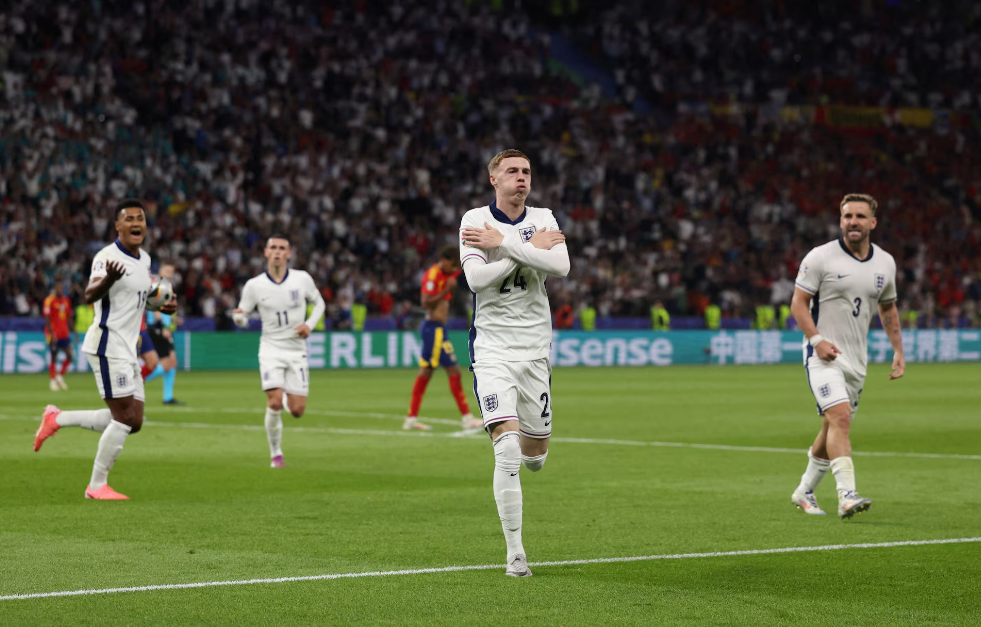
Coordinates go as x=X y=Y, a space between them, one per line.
x=363 y=131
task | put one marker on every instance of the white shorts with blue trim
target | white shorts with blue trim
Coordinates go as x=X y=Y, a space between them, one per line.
x=515 y=390
x=287 y=370
x=832 y=382
x=117 y=378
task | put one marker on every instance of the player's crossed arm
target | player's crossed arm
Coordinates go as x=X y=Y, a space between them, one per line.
x=489 y=237
x=547 y=252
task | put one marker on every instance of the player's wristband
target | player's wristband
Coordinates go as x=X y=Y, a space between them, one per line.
x=815 y=339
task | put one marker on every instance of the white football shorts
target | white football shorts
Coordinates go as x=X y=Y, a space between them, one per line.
x=521 y=390
x=832 y=382
x=117 y=378
x=289 y=371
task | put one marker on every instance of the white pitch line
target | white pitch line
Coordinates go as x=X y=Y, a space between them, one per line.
x=312 y=412
x=473 y=435
x=451 y=569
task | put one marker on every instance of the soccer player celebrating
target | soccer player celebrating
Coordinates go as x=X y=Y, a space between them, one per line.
x=507 y=251
x=281 y=296
x=437 y=290
x=57 y=315
x=845 y=279
x=118 y=286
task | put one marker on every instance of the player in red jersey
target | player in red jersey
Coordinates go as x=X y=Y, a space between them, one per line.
x=58 y=314
x=437 y=290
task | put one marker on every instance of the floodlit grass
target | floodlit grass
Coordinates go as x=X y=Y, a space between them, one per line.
x=360 y=495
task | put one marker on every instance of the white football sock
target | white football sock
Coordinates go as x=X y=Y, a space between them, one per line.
x=110 y=446
x=507 y=490
x=274 y=431
x=816 y=469
x=95 y=419
x=844 y=471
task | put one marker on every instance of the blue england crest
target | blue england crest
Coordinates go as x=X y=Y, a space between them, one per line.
x=825 y=391
x=880 y=281
x=527 y=232
x=490 y=402
x=294 y=295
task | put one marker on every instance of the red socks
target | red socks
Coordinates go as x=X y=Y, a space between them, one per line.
x=64 y=366
x=144 y=371
x=461 y=398
x=51 y=369
x=418 y=390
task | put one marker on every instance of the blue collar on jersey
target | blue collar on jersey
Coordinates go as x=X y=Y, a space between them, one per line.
x=500 y=216
x=125 y=250
x=841 y=241
x=280 y=282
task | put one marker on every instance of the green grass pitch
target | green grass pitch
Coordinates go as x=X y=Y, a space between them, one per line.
x=359 y=495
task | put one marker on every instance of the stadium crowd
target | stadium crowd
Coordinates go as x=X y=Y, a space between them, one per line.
x=363 y=131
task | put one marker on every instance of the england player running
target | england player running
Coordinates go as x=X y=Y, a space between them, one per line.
x=507 y=251
x=118 y=287
x=281 y=296
x=438 y=284
x=844 y=279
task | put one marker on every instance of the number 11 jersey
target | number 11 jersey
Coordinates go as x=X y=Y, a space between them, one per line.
x=847 y=291
x=282 y=307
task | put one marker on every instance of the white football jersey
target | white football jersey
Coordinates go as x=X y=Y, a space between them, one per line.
x=847 y=291
x=282 y=307
x=118 y=315
x=512 y=320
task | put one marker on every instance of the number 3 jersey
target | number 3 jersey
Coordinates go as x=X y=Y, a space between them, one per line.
x=118 y=315
x=282 y=307
x=512 y=320
x=847 y=291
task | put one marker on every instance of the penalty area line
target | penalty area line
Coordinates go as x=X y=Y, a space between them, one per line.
x=451 y=569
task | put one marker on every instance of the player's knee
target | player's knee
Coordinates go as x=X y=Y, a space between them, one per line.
x=507 y=452
x=297 y=412
x=130 y=418
x=534 y=463
x=275 y=404
x=839 y=416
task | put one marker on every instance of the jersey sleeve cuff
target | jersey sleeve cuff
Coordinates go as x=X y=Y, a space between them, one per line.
x=472 y=256
x=806 y=289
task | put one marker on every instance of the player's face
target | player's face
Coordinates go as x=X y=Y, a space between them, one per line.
x=131 y=226
x=277 y=252
x=513 y=178
x=167 y=272
x=449 y=266
x=857 y=222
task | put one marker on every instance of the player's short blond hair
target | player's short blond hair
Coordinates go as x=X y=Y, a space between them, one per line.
x=504 y=154
x=866 y=198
